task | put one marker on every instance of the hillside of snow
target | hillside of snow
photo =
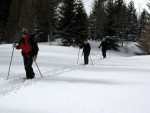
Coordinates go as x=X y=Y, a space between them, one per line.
x=118 y=84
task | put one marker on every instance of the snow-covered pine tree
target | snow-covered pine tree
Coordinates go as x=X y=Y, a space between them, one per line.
x=81 y=30
x=66 y=24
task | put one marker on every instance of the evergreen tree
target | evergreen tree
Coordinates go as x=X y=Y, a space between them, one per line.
x=4 y=12
x=45 y=19
x=27 y=16
x=12 y=25
x=132 y=22
x=109 y=21
x=112 y=43
x=91 y=21
x=142 y=22
x=81 y=23
x=120 y=18
x=99 y=21
x=34 y=15
x=91 y=26
x=67 y=22
x=110 y=25
x=144 y=43
x=58 y=1
x=53 y=17
x=96 y=19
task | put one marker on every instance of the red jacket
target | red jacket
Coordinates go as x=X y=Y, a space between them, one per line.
x=25 y=46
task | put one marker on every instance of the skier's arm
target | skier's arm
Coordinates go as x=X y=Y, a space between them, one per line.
x=34 y=45
x=19 y=44
x=100 y=45
x=89 y=48
x=81 y=46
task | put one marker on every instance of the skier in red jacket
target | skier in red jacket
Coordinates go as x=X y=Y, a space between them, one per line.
x=30 y=49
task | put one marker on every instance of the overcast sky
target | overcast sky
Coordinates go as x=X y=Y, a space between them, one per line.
x=139 y=5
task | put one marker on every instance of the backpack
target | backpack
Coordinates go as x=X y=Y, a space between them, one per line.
x=34 y=44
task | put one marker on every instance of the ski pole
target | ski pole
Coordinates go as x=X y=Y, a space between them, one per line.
x=97 y=54
x=10 y=62
x=78 y=56
x=38 y=69
x=91 y=59
x=109 y=54
x=82 y=54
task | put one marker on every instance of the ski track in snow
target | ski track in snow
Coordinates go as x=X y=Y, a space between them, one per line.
x=12 y=85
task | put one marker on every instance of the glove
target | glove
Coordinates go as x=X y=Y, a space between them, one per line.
x=99 y=47
x=34 y=58
x=14 y=45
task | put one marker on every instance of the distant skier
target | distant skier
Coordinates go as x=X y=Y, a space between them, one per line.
x=86 y=50
x=30 y=49
x=104 y=45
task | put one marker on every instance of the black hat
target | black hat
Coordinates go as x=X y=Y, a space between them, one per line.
x=24 y=31
x=85 y=39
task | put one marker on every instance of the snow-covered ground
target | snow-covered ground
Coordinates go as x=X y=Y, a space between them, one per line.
x=118 y=84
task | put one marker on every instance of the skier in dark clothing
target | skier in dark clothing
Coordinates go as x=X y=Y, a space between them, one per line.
x=104 y=45
x=86 y=50
x=30 y=49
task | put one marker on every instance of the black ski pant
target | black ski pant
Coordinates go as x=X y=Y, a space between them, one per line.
x=104 y=53
x=86 y=58
x=28 y=67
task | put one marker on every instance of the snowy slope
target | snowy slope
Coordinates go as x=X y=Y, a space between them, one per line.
x=118 y=84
